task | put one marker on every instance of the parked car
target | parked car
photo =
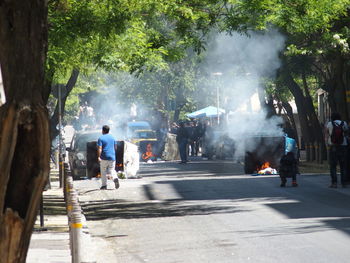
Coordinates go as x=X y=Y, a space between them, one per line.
x=77 y=151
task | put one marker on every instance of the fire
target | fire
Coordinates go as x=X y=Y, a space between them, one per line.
x=148 y=154
x=266 y=169
x=265 y=165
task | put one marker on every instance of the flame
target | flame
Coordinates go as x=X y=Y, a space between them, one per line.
x=148 y=154
x=266 y=169
x=265 y=165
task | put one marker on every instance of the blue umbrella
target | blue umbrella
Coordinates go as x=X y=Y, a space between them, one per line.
x=209 y=111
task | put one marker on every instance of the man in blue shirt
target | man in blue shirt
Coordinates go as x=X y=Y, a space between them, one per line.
x=106 y=156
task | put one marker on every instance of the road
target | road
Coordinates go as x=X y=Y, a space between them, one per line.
x=209 y=211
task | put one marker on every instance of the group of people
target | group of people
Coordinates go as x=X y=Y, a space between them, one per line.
x=189 y=137
x=337 y=135
x=190 y=134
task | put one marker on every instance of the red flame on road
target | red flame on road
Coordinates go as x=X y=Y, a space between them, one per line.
x=148 y=154
x=266 y=169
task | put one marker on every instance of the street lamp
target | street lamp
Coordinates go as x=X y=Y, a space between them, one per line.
x=217 y=95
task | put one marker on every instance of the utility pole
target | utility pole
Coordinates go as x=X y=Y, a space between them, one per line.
x=217 y=95
x=60 y=157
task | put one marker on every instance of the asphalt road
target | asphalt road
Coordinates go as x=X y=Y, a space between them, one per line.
x=208 y=211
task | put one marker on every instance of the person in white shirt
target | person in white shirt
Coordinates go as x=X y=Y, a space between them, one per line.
x=337 y=145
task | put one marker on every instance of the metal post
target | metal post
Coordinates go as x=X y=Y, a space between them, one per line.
x=76 y=226
x=42 y=211
x=60 y=159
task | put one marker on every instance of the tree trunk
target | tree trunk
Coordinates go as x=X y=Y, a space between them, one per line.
x=289 y=110
x=300 y=103
x=24 y=129
x=315 y=125
x=176 y=114
x=338 y=87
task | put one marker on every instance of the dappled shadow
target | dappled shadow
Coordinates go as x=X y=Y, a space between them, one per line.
x=108 y=209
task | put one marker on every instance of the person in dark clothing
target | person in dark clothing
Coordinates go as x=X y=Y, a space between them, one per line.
x=288 y=169
x=198 y=134
x=173 y=128
x=337 y=149
x=182 y=140
x=191 y=142
x=208 y=141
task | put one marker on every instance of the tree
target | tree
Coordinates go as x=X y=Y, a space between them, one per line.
x=132 y=36
x=315 y=58
x=318 y=31
x=317 y=41
x=24 y=129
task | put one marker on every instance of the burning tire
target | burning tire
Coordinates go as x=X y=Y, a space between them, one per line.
x=263 y=149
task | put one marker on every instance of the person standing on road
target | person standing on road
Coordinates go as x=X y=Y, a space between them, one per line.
x=106 y=156
x=191 y=144
x=182 y=140
x=336 y=138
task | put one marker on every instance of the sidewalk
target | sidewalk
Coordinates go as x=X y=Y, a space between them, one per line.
x=50 y=243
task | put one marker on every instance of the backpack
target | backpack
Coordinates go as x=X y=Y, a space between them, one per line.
x=337 y=136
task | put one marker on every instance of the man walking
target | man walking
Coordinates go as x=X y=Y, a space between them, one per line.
x=336 y=139
x=106 y=156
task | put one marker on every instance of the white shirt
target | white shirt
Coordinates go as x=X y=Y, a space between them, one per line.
x=330 y=129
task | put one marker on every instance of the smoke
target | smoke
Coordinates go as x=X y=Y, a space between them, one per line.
x=238 y=64
x=109 y=104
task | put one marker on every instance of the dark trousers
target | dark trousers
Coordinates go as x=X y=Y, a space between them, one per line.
x=337 y=154
x=183 y=150
x=347 y=163
x=284 y=176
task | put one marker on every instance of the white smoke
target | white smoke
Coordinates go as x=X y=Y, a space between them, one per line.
x=238 y=64
x=110 y=105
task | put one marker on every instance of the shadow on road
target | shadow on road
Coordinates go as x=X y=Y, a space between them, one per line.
x=108 y=209
x=223 y=182
x=193 y=168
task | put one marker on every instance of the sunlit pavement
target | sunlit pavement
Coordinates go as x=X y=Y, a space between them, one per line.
x=208 y=211
x=50 y=242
